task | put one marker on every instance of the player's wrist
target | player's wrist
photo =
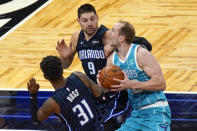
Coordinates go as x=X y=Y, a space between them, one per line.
x=33 y=95
x=34 y=107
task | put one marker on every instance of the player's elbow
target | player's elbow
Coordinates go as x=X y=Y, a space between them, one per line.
x=162 y=84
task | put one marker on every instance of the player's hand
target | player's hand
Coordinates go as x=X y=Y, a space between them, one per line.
x=98 y=76
x=124 y=84
x=105 y=90
x=32 y=86
x=64 y=50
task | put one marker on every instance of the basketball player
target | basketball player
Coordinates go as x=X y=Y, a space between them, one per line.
x=92 y=44
x=72 y=101
x=143 y=81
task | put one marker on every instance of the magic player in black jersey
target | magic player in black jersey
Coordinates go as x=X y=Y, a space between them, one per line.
x=72 y=100
x=93 y=45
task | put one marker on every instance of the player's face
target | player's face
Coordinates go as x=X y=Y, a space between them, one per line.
x=115 y=35
x=88 y=23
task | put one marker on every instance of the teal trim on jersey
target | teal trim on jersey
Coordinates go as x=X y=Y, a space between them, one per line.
x=137 y=98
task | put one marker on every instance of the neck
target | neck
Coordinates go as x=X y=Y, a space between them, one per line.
x=88 y=37
x=59 y=83
x=123 y=49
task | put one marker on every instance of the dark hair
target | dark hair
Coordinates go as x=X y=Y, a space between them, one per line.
x=51 y=66
x=86 y=8
x=128 y=31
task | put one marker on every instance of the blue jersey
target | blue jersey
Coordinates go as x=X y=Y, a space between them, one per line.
x=77 y=107
x=137 y=98
x=91 y=53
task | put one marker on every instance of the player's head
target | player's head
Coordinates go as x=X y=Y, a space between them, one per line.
x=88 y=19
x=51 y=67
x=86 y=8
x=122 y=31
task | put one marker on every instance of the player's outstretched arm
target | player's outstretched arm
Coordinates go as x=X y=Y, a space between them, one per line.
x=96 y=90
x=67 y=52
x=33 y=88
x=49 y=106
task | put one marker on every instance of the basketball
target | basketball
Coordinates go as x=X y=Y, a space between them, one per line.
x=107 y=75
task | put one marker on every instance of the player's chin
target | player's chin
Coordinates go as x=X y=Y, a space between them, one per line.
x=90 y=32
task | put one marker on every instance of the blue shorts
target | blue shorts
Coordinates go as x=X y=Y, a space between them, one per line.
x=151 y=119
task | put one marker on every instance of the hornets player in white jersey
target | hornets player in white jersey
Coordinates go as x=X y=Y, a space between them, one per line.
x=143 y=81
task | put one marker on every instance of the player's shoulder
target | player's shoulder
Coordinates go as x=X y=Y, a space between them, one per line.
x=74 y=38
x=75 y=35
x=50 y=102
x=51 y=105
x=108 y=33
x=141 y=50
x=143 y=54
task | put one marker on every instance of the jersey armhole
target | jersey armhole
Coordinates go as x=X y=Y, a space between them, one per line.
x=113 y=57
x=135 y=56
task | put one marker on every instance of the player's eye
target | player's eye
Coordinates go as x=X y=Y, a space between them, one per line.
x=84 y=20
x=92 y=19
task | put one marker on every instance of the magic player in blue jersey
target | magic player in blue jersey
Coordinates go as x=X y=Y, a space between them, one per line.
x=143 y=81
x=72 y=101
x=92 y=43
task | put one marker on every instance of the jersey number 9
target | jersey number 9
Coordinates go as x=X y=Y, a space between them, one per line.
x=91 y=68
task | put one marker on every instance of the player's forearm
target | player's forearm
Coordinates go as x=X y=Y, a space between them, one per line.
x=34 y=107
x=66 y=62
x=154 y=84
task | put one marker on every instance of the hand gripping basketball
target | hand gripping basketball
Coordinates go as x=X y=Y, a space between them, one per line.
x=108 y=74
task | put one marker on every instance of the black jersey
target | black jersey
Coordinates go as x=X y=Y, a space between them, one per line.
x=91 y=53
x=77 y=107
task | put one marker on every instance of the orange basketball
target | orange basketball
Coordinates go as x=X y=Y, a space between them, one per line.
x=107 y=75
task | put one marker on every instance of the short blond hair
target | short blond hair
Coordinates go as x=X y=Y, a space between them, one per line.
x=127 y=30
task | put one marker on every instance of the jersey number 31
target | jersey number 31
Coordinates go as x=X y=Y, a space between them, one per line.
x=78 y=109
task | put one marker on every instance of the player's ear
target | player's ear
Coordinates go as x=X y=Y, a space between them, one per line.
x=78 y=20
x=122 y=38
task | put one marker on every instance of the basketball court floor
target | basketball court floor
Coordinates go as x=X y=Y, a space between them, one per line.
x=30 y=29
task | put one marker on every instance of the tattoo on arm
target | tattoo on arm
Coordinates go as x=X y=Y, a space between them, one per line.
x=95 y=89
x=47 y=109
